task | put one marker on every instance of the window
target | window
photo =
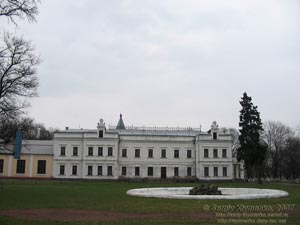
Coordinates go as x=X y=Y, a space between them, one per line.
x=99 y=171
x=109 y=170
x=21 y=166
x=90 y=151
x=100 y=133
x=100 y=151
x=41 y=169
x=206 y=171
x=215 y=153
x=224 y=153
x=137 y=171
x=215 y=171
x=150 y=171
x=189 y=153
x=124 y=153
x=176 y=153
x=205 y=153
x=215 y=135
x=137 y=153
x=74 y=170
x=163 y=153
x=110 y=151
x=189 y=171
x=224 y=171
x=124 y=171
x=75 y=151
x=1 y=165
x=62 y=170
x=90 y=170
x=150 y=153
x=62 y=150
x=176 y=172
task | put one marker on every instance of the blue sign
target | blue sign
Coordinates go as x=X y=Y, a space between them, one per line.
x=18 y=145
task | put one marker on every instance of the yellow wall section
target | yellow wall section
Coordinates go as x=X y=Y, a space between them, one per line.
x=5 y=165
x=48 y=159
x=27 y=167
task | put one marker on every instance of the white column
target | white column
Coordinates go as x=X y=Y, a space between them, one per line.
x=30 y=165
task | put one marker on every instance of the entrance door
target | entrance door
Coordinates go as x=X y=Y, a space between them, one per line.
x=163 y=172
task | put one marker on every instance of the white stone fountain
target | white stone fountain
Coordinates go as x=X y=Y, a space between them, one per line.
x=227 y=193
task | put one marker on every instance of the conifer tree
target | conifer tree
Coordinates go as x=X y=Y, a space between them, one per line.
x=252 y=150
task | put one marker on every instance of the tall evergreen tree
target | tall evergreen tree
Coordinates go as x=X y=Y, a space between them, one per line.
x=252 y=150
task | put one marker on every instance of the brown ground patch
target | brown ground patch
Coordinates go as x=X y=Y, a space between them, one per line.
x=96 y=215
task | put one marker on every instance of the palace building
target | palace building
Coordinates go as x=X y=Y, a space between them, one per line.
x=143 y=152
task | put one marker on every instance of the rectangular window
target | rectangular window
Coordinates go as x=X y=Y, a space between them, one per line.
x=90 y=170
x=124 y=152
x=99 y=171
x=224 y=153
x=215 y=153
x=41 y=169
x=150 y=171
x=137 y=153
x=176 y=153
x=109 y=151
x=124 y=170
x=20 y=166
x=62 y=170
x=205 y=153
x=137 y=171
x=1 y=165
x=90 y=151
x=100 y=133
x=62 y=150
x=176 y=172
x=224 y=171
x=75 y=151
x=215 y=135
x=215 y=171
x=206 y=171
x=109 y=171
x=163 y=153
x=100 y=151
x=150 y=153
x=189 y=171
x=74 y=170
x=189 y=153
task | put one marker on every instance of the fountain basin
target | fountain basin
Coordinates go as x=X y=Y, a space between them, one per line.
x=227 y=193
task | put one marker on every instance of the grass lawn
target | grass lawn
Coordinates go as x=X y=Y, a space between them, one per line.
x=111 y=197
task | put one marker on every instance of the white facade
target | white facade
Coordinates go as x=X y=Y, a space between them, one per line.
x=133 y=152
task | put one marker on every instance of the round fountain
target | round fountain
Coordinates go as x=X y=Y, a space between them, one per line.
x=227 y=193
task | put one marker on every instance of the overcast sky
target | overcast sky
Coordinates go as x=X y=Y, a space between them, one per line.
x=165 y=62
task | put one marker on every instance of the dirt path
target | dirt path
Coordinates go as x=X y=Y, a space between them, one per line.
x=95 y=215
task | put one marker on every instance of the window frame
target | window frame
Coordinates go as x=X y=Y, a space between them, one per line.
x=110 y=151
x=176 y=153
x=41 y=169
x=21 y=166
x=90 y=151
x=137 y=153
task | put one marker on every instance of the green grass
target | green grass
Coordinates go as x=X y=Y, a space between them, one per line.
x=111 y=196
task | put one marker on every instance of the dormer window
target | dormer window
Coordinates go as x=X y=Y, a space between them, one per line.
x=215 y=135
x=100 y=133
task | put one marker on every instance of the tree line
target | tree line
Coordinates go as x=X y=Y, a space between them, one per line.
x=268 y=150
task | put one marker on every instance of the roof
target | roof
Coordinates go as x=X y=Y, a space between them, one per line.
x=120 y=125
x=37 y=147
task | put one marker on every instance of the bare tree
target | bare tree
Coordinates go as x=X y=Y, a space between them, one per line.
x=276 y=135
x=17 y=73
x=234 y=140
x=22 y=9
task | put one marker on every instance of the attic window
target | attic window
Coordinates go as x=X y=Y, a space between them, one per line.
x=215 y=135
x=100 y=133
